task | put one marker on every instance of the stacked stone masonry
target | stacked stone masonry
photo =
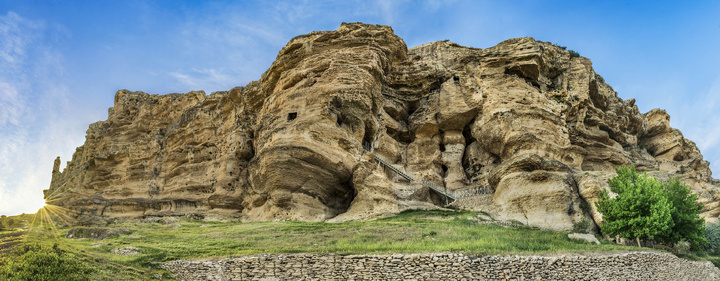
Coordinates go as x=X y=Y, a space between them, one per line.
x=446 y=266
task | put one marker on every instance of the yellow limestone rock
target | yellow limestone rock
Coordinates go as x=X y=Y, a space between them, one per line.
x=521 y=130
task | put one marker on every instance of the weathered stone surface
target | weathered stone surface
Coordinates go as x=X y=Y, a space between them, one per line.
x=584 y=237
x=375 y=196
x=446 y=266
x=525 y=120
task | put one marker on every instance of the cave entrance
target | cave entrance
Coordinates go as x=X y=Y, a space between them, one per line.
x=292 y=116
x=367 y=139
x=411 y=107
x=522 y=73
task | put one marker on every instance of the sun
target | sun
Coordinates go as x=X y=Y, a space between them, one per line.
x=50 y=216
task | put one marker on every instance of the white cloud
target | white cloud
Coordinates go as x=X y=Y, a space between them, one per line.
x=699 y=121
x=200 y=79
x=12 y=46
x=184 y=79
x=218 y=49
x=11 y=106
x=33 y=112
x=437 y=4
x=708 y=134
x=388 y=10
x=298 y=11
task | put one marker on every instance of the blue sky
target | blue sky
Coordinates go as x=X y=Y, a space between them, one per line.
x=61 y=62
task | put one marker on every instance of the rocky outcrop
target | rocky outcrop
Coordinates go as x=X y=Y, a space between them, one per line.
x=525 y=119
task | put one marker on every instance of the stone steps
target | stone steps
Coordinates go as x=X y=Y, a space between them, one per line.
x=449 y=194
x=437 y=188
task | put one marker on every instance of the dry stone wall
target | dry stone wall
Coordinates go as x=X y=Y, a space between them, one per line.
x=446 y=266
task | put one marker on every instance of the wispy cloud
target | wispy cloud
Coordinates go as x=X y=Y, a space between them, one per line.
x=199 y=78
x=11 y=106
x=33 y=104
x=13 y=45
x=234 y=48
x=387 y=9
x=704 y=129
x=433 y=5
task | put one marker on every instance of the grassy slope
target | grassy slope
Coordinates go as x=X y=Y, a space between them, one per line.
x=409 y=232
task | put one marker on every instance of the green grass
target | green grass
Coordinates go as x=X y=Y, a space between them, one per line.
x=407 y=232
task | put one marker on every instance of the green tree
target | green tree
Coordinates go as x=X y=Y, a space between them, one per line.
x=640 y=210
x=645 y=207
x=689 y=225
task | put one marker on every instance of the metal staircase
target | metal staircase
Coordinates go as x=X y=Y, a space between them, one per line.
x=443 y=191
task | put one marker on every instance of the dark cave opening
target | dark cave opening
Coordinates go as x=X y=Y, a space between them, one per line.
x=291 y=116
x=368 y=138
x=412 y=106
x=517 y=71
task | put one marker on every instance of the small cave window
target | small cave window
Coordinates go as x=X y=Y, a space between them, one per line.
x=292 y=116
x=412 y=107
x=442 y=147
x=456 y=79
x=411 y=111
x=339 y=121
x=444 y=169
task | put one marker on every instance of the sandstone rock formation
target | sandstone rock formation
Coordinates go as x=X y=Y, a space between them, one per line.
x=525 y=119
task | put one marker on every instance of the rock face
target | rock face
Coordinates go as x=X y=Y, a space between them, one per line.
x=535 y=125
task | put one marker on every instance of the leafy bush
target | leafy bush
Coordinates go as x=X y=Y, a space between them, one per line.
x=574 y=54
x=9 y=223
x=585 y=207
x=712 y=235
x=646 y=208
x=581 y=226
x=681 y=247
x=34 y=262
x=687 y=223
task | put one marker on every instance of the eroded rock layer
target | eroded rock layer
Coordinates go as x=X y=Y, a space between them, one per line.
x=527 y=120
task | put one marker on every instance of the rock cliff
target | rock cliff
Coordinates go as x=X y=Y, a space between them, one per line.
x=525 y=120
